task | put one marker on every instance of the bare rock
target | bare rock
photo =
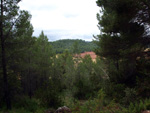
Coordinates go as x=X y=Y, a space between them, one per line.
x=63 y=109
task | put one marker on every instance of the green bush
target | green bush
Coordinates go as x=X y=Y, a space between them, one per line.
x=130 y=96
x=139 y=106
x=49 y=98
x=147 y=103
x=23 y=110
x=98 y=105
x=83 y=90
x=19 y=110
x=26 y=103
x=114 y=91
x=68 y=99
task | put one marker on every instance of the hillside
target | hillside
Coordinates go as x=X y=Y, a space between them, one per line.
x=68 y=44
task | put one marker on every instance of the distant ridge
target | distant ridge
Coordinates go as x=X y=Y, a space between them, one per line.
x=60 y=46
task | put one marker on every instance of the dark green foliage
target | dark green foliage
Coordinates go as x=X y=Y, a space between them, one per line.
x=38 y=78
x=98 y=105
x=121 y=44
x=82 y=82
x=16 y=32
x=114 y=91
x=143 y=80
x=139 y=106
x=130 y=96
x=26 y=103
x=45 y=73
x=67 y=44
x=49 y=97
x=88 y=78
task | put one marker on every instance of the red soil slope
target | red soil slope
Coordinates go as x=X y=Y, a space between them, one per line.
x=92 y=55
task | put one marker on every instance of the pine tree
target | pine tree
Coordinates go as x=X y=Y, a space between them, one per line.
x=124 y=25
x=15 y=28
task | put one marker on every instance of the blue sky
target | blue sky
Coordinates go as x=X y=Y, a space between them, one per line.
x=63 y=19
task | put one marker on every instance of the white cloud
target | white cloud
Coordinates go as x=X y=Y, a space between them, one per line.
x=72 y=17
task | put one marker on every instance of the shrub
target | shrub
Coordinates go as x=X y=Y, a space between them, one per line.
x=26 y=103
x=130 y=96
x=139 y=106
x=98 y=105
x=114 y=91
x=49 y=98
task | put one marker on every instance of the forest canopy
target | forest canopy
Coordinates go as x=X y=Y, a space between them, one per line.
x=61 y=46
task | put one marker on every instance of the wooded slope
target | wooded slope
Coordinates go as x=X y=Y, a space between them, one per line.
x=68 y=44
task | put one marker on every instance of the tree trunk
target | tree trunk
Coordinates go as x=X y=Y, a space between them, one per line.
x=5 y=80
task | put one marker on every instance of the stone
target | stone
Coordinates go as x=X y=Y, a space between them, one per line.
x=63 y=109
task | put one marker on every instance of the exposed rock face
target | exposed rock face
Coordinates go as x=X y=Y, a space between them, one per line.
x=63 y=109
